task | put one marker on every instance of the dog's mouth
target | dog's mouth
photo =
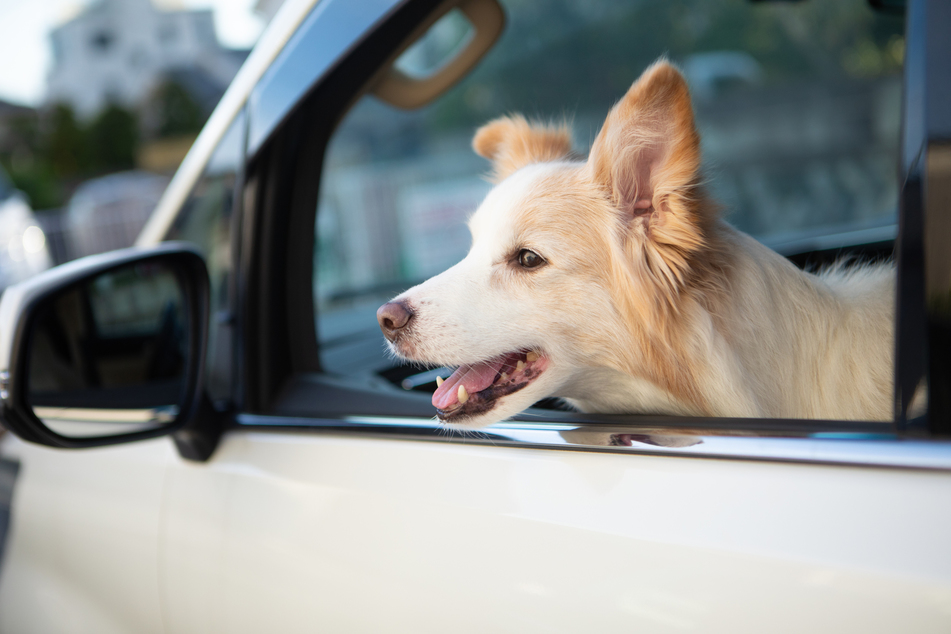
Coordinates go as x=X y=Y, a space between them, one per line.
x=475 y=389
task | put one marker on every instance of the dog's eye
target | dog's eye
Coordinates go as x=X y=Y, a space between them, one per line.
x=529 y=259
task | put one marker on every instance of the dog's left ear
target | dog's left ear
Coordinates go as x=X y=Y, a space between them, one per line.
x=646 y=158
x=512 y=143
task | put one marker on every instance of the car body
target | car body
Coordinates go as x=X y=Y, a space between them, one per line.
x=308 y=488
x=25 y=251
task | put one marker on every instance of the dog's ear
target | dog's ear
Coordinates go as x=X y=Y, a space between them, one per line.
x=646 y=158
x=512 y=142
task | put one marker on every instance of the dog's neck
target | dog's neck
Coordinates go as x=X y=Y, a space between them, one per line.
x=770 y=341
x=682 y=362
x=610 y=391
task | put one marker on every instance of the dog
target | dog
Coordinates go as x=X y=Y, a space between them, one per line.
x=613 y=284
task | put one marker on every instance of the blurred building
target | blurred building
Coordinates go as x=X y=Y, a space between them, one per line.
x=267 y=8
x=119 y=51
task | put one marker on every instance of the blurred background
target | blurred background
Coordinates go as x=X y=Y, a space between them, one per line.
x=99 y=102
x=798 y=105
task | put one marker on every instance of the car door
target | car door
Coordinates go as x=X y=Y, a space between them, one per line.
x=82 y=552
x=336 y=502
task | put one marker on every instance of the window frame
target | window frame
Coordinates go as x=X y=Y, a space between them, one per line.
x=923 y=247
x=284 y=153
x=280 y=362
x=222 y=317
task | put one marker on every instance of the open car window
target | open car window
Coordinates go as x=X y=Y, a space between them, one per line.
x=798 y=107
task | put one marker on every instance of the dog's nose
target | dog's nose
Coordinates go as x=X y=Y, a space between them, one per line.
x=392 y=317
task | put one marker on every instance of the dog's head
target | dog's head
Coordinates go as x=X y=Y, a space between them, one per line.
x=573 y=266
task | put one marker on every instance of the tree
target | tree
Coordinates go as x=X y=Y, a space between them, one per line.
x=65 y=147
x=113 y=139
x=178 y=113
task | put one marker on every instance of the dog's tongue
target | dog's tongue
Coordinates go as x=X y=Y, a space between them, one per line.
x=475 y=377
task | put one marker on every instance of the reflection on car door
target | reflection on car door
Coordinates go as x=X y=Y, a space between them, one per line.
x=291 y=531
x=83 y=550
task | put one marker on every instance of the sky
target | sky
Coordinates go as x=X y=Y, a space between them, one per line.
x=25 y=53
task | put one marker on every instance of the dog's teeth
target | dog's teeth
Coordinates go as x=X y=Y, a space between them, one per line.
x=503 y=378
x=438 y=381
x=520 y=366
x=462 y=394
x=531 y=357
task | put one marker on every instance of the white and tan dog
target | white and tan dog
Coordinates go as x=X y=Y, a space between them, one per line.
x=613 y=284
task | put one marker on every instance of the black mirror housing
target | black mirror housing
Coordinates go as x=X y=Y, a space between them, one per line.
x=106 y=349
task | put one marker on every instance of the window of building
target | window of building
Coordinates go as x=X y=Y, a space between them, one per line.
x=102 y=41
x=139 y=59
x=56 y=42
x=168 y=34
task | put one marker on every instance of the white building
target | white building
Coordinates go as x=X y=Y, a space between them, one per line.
x=120 y=50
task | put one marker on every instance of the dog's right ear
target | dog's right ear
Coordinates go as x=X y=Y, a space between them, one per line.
x=512 y=143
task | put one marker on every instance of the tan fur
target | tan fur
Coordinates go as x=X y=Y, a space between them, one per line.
x=647 y=301
x=512 y=142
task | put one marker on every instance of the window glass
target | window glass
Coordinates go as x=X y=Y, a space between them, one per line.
x=206 y=221
x=798 y=107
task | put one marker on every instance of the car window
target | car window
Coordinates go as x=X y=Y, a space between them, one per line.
x=206 y=221
x=798 y=106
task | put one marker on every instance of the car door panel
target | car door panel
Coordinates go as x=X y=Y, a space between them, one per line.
x=349 y=533
x=83 y=544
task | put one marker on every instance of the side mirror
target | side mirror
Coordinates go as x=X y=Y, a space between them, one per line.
x=106 y=349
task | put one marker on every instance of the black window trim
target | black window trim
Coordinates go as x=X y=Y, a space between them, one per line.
x=923 y=236
x=277 y=301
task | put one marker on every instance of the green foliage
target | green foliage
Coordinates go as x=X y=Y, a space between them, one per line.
x=37 y=180
x=22 y=135
x=46 y=158
x=178 y=113
x=64 y=147
x=560 y=68
x=113 y=139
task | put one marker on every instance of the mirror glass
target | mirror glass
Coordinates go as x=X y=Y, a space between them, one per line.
x=109 y=355
x=444 y=39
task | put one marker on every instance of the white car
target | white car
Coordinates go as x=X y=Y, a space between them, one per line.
x=210 y=438
x=23 y=248
x=108 y=212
